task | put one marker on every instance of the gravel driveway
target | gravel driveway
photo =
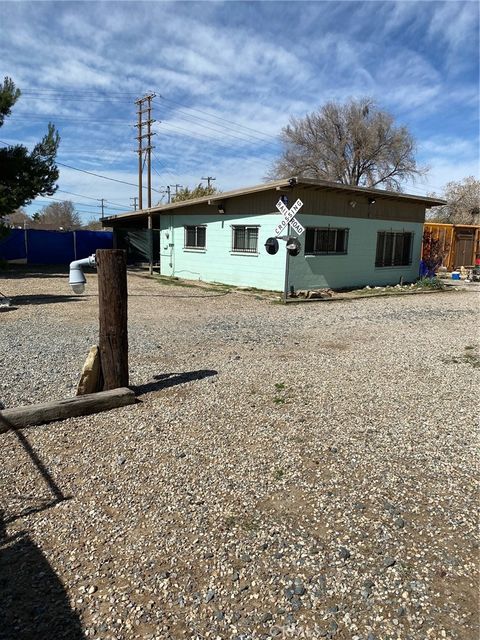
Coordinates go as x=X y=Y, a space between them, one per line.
x=307 y=471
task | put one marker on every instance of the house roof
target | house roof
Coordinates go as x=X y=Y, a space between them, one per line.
x=306 y=183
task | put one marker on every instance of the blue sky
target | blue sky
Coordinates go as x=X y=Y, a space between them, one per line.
x=227 y=77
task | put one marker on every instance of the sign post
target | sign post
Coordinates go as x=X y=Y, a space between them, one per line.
x=288 y=221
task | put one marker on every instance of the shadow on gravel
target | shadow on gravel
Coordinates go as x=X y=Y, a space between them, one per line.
x=41 y=504
x=166 y=380
x=44 y=299
x=17 y=272
x=33 y=602
x=178 y=295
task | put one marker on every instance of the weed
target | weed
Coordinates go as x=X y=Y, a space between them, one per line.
x=469 y=357
x=429 y=283
x=250 y=525
x=472 y=359
x=278 y=474
x=230 y=521
x=177 y=282
x=279 y=399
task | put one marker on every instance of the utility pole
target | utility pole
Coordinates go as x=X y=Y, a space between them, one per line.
x=142 y=109
x=147 y=99
x=168 y=193
x=102 y=200
x=135 y=200
x=177 y=187
x=209 y=179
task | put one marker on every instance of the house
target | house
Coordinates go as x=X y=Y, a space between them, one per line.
x=353 y=236
x=459 y=243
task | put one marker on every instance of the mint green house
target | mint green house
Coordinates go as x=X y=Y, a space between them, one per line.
x=353 y=236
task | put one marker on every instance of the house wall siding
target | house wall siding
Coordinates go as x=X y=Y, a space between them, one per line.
x=357 y=267
x=218 y=263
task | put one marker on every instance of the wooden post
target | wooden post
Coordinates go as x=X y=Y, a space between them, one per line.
x=32 y=414
x=112 y=303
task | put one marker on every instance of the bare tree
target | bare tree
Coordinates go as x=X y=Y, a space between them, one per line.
x=58 y=215
x=94 y=224
x=354 y=143
x=19 y=218
x=463 y=203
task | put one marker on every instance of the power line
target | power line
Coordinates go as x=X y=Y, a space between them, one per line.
x=97 y=175
x=80 y=195
x=84 y=93
x=24 y=115
x=85 y=204
x=162 y=164
x=76 y=118
x=237 y=124
x=199 y=136
x=243 y=137
x=38 y=203
x=223 y=129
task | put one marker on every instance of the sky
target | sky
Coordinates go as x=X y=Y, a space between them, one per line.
x=227 y=77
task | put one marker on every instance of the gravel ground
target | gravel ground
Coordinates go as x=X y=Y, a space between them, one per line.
x=307 y=471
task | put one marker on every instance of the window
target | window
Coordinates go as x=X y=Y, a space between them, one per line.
x=195 y=237
x=325 y=240
x=393 y=249
x=245 y=239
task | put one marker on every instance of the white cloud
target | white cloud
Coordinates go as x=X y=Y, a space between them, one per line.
x=250 y=64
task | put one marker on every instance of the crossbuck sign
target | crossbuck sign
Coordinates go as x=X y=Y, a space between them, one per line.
x=289 y=217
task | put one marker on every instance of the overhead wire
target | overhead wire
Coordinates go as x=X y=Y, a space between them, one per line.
x=211 y=115
x=260 y=135
x=87 y=204
x=239 y=132
x=80 y=195
x=97 y=175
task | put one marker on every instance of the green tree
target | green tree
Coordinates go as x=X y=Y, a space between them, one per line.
x=25 y=175
x=200 y=191
x=353 y=143
x=463 y=203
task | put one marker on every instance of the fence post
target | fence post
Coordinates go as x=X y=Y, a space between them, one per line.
x=112 y=303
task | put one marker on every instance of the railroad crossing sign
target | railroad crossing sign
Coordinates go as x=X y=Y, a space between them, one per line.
x=289 y=217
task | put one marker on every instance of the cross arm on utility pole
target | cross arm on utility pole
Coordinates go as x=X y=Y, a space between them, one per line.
x=209 y=180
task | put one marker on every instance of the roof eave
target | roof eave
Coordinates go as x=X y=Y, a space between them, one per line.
x=285 y=183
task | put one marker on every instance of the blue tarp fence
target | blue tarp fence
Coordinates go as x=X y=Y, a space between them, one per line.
x=37 y=246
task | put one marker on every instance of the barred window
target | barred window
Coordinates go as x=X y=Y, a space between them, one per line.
x=195 y=237
x=325 y=240
x=245 y=239
x=393 y=249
